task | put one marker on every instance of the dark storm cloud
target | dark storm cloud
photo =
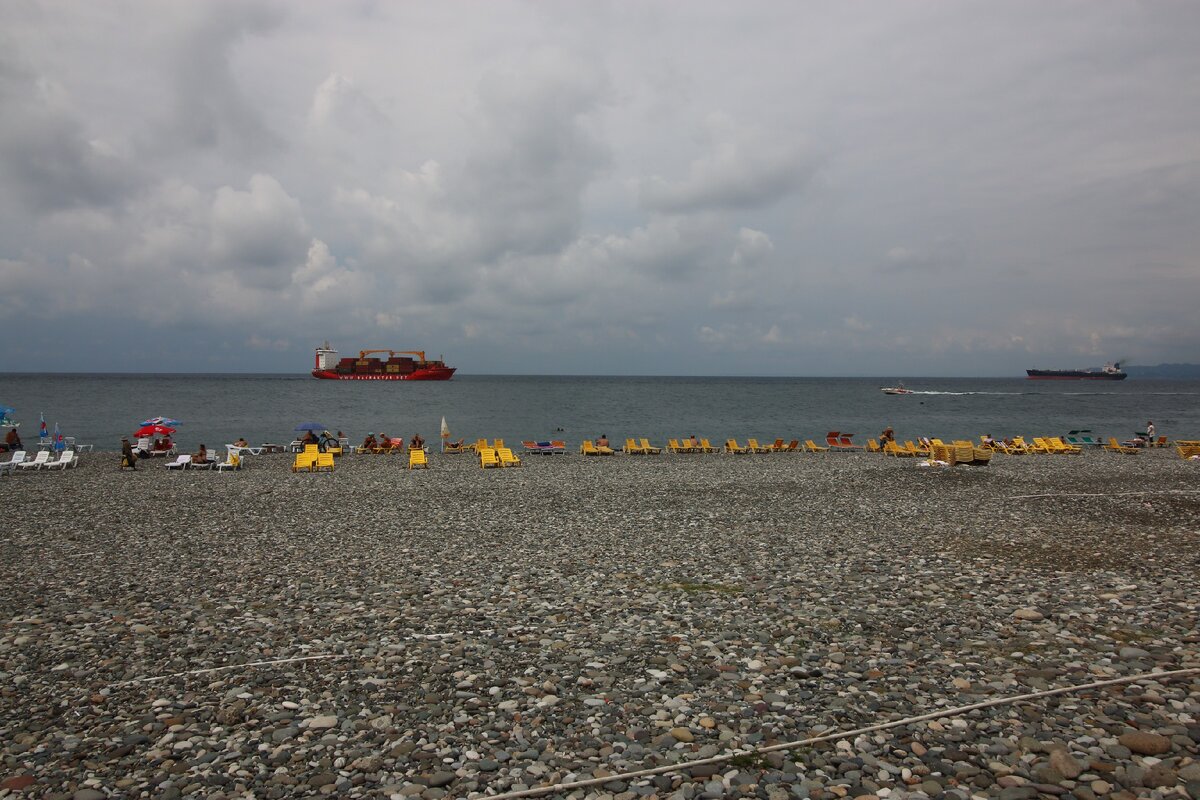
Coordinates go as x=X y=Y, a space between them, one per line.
x=209 y=107
x=46 y=158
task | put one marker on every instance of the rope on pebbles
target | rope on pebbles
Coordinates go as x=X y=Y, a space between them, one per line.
x=205 y=671
x=949 y=712
x=1104 y=494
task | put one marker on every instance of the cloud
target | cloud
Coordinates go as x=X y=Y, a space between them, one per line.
x=209 y=108
x=532 y=188
x=47 y=160
x=740 y=169
x=257 y=231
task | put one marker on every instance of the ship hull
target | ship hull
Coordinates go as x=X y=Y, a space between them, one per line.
x=430 y=374
x=1068 y=375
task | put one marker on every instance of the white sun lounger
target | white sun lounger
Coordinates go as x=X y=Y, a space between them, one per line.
x=16 y=459
x=65 y=459
x=39 y=461
x=232 y=461
x=182 y=462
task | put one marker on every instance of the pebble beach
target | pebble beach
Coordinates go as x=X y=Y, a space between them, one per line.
x=384 y=633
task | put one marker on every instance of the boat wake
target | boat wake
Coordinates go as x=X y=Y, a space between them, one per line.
x=917 y=391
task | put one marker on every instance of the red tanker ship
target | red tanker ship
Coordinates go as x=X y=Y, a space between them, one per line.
x=399 y=366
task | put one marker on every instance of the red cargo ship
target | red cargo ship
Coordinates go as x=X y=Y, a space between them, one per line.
x=400 y=365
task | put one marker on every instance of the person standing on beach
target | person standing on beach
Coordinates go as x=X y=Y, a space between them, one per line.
x=13 y=440
x=1149 y=433
x=888 y=435
x=128 y=459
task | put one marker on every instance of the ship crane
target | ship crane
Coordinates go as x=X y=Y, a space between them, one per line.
x=418 y=353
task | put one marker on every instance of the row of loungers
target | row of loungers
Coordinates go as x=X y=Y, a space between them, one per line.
x=19 y=461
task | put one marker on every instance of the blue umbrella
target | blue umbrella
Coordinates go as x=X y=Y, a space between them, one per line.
x=310 y=426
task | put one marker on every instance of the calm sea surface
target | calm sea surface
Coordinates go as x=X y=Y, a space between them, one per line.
x=216 y=409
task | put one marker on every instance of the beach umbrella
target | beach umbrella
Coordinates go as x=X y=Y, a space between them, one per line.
x=59 y=443
x=4 y=420
x=42 y=433
x=154 y=430
x=310 y=426
x=164 y=421
x=445 y=433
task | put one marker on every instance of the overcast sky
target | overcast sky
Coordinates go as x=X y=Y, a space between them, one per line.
x=697 y=188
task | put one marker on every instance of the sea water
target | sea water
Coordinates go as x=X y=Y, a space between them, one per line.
x=217 y=409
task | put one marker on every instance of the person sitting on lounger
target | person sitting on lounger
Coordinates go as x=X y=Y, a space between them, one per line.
x=888 y=435
x=988 y=441
x=201 y=456
x=241 y=442
x=417 y=442
x=693 y=442
x=369 y=443
x=602 y=441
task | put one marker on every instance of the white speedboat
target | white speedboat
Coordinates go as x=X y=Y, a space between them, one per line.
x=897 y=389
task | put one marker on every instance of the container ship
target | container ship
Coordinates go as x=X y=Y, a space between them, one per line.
x=1109 y=372
x=400 y=365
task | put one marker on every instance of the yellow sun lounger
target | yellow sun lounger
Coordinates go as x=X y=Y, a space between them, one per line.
x=487 y=458
x=1114 y=446
x=813 y=447
x=731 y=446
x=507 y=459
x=417 y=460
x=754 y=447
x=650 y=449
